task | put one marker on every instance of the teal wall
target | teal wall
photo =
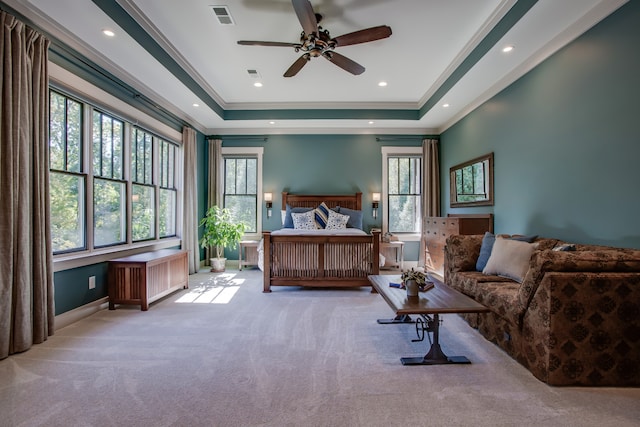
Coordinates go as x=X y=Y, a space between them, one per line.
x=566 y=141
x=324 y=164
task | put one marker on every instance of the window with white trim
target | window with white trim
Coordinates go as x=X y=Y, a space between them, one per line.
x=242 y=171
x=112 y=184
x=402 y=190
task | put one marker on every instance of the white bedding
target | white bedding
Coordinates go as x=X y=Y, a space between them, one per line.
x=318 y=232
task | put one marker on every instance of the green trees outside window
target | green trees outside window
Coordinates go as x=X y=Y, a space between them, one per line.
x=404 y=192
x=128 y=202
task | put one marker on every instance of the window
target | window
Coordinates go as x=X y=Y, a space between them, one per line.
x=243 y=185
x=168 y=192
x=241 y=190
x=143 y=202
x=111 y=183
x=67 y=180
x=109 y=187
x=402 y=188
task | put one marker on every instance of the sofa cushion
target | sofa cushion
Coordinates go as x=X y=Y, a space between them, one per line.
x=501 y=298
x=468 y=282
x=509 y=258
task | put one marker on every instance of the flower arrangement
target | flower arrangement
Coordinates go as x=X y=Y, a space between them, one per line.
x=420 y=278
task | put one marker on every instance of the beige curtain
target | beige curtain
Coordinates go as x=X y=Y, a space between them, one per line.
x=430 y=190
x=26 y=273
x=190 y=212
x=216 y=179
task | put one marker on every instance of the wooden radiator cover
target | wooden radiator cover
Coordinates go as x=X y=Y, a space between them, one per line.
x=147 y=277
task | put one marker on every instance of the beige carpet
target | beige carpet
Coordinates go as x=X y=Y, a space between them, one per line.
x=224 y=354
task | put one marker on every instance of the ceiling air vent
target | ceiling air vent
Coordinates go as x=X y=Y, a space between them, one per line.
x=253 y=74
x=223 y=15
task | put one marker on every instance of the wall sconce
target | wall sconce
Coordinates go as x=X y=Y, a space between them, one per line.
x=375 y=204
x=268 y=198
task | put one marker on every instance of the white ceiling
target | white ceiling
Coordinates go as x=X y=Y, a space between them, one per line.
x=430 y=40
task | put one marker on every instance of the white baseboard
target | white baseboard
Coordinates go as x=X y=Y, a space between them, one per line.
x=72 y=316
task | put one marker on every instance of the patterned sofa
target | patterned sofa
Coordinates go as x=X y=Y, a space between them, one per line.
x=574 y=319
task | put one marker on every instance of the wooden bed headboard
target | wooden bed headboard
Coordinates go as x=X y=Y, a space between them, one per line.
x=349 y=201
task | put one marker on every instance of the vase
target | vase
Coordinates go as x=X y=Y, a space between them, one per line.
x=217 y=264
x=412 y=288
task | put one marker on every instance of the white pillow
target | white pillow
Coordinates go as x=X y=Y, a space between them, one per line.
x=304 y=221
x=510 y=258
x=336 y=221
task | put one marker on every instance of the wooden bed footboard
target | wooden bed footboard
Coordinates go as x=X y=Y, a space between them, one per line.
x=320 y=261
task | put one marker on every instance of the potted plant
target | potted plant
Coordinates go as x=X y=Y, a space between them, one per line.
x=220 y=231
x=413 y=281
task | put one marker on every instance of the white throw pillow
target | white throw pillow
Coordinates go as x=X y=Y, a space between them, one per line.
x=510 y=258
x=336 y=221
x=304 y=221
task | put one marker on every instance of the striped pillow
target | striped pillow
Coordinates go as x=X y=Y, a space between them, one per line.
x=322 y=215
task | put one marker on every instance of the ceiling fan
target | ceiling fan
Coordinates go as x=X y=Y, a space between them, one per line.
x=315 y=41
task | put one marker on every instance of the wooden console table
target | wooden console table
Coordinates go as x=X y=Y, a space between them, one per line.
x=147 y=277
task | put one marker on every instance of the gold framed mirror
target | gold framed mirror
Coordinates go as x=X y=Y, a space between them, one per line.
x=471 y=183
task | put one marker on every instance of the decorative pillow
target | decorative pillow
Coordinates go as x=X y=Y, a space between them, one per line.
x=336 y=221
x=487 y=244
x=355 y=217
x=485 y=250
x=322 y=215
x=288 y=220
x=304 y=221
x=510 y=258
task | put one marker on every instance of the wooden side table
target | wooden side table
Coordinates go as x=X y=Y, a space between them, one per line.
x=248 y=253
x=394 y=251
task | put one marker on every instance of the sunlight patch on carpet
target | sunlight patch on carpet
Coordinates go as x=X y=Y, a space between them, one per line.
x=215 y=289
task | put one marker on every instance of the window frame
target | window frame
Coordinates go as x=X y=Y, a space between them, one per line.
x=400 y=151
x=254 y=152
x=92 y=98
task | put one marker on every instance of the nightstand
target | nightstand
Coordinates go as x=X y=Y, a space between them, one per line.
x=394 y=252
x=248 y=253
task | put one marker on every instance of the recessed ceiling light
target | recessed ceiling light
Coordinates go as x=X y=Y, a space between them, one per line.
x=382 y=84
x=507 y=48
x=371 y=122
x=195 y=104
x=109 y=33
x=257 y=84
x=272 y=122
x=445 y=105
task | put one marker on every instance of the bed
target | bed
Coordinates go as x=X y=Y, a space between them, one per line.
x=320 y=258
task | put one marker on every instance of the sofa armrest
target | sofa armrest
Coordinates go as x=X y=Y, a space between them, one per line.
x=584 y=328
x=461 y=253
x=579 y=262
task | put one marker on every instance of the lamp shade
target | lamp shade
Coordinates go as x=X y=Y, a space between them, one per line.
x=268 y=197
x=375 y=197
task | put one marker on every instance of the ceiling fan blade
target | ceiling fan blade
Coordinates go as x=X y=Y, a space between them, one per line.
x=261 y=43
x=363 y=36
x=344 y=63
x=297 y=66
x=306 y=16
